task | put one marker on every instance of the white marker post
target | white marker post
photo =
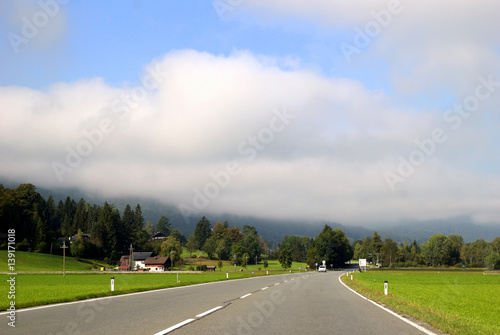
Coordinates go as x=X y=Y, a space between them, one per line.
x=351 y=276
x=227 y=274
x=112 y=284
x=385 y=287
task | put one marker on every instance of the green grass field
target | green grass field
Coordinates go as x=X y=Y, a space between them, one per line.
x=456 y=302
x=41 y=289
x=31 y=261
x=273 y=265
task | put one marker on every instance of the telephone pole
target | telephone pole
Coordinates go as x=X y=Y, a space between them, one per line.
x=131 y=258
x=64 y=247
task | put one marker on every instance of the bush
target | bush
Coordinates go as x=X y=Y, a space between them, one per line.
x=476 y=265
x=43 y=248
x=22 y=246
x=201 y=268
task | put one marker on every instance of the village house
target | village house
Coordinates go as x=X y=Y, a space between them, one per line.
x=156 y=264
x=137 y=262
x=85 y=237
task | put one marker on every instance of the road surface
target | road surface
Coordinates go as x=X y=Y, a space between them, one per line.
x=315 y=303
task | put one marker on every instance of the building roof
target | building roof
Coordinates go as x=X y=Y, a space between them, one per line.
x=156 y=260
x=85 y=236
x=159 y=235
x=140 y=256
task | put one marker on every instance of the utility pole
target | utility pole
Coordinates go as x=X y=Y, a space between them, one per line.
x=255 y=260
x=131 y=258
x=64 y=247
x=172 y=252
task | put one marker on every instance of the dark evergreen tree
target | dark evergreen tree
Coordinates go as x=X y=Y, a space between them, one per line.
x=164 y=226
x=202 y=231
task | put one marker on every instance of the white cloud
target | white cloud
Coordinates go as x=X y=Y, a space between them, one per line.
x=327 y=162
x=433 y=47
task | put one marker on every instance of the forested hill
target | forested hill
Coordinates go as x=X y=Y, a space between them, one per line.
x=274 y=230
x=152 y=210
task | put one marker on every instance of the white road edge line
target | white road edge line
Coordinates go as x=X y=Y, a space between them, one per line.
x=422 y=329
x=246 y=295
x=276 y=284
x=264 y=288
x=27 y=309
x=174 y=327
x=208 y=312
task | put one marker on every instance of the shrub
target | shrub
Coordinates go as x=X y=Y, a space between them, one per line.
x=22 y=246
x=43 y=248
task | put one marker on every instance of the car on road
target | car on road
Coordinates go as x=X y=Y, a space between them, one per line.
x=322 y=268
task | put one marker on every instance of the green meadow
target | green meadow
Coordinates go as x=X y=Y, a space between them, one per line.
x=456 y=302
x=34 y=289
x=42 y=289
x=31 y=261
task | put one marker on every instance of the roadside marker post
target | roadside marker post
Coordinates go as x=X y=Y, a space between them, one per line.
x=386 y=287
x=227 y=274
x=112 y=284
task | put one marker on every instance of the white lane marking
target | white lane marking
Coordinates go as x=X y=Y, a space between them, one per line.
x=422 y=329
x=174 y=327
x=264 y=288
x=208 y=312
x=246 y=295
x=276 y=284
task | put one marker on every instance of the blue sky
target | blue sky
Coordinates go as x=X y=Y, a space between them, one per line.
x=115 y=40
x=321 y=110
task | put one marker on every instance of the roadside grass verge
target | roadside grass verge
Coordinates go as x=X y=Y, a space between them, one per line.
x=43 y=289
x=456 y=302
x=36 y=289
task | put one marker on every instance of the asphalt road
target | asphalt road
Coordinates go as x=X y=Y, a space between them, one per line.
x=315 y=303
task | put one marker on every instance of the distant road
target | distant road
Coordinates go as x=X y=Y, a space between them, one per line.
x=315 y=303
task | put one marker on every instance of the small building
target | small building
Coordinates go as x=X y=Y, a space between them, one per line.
x=159 y=236
x=124 y=262
x=138 y=259
x=211 y=268
x=156 y=264
x=85 y=237
x=137 y=262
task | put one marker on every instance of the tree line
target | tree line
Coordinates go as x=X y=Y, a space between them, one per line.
x=230 y=244
x=439 y=250
x=40 y=223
